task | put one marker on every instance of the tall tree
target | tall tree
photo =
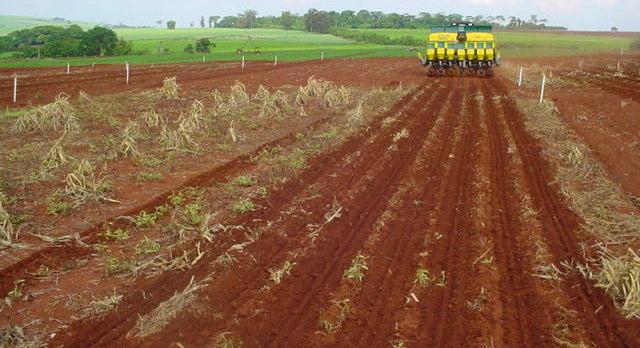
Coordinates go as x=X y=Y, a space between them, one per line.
x=202 y=22
x=287 y=20
x=159 y=22
x=348 y=19
x=213 y=21
x=99 y=41
x=317 y=21
x=247 y=19
x=171 y=24
x=228 y=22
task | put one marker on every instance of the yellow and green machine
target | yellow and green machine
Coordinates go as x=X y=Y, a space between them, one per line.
x=464 y=47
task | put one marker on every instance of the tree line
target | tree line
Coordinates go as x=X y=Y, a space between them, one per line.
x=323 y=21
x=56 y=41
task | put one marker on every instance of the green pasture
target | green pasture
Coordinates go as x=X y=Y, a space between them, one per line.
x=13 y=23
x=157 y=46
x=535 y=44
x=160 y=45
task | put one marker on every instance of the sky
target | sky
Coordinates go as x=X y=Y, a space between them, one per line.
x=574 y=14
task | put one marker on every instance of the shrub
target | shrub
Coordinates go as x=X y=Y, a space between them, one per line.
x=204 y=45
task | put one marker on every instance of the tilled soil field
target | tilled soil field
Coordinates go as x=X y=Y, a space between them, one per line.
x=440 y=222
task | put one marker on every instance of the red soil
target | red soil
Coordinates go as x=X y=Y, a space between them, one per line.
x=38 y=86
x=406 y=202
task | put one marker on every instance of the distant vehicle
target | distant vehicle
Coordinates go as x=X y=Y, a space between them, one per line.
x=462 y=47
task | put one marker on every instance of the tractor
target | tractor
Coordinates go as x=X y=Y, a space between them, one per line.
x=462 y=47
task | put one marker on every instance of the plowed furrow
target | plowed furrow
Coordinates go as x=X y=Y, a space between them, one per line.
x=525 y=320
x=443 y=313
x=607 y=327
x=115 y=327
x=315 y=278
x=53 y=256
x=391 y=272
x=623 y=89
x=243 y=284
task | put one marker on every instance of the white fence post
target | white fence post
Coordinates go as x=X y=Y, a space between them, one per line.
x=520 y=77
x=322 y=55
x=204 y=59
x=275 y=61
x=68 y=68
x=544 y=81
x=126 y=66
x=242 y=62
x=15 y=88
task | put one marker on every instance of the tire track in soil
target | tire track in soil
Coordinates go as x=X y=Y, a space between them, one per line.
x=115 y=326
x=606 y=327
x=391 y=272
x=524 y=319
x=443 y=314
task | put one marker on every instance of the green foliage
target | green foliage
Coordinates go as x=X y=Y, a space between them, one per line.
x=56 y=41
x=318 y=21
x=116 y=235
x=243 y=206
x=376 y=38
x=149 y=176
x=288 y=20
x=297 y=159
x=423 y=277
x=247 y=19
x=99 y=42
x=189 y=49
x=145 y=219
x=204 y=45
x=115 y=265
x=171 y=24
x=357 y=268
x=100 y=248
x=123 y=47
x=177 y=199
x=147 y=246
x=56 y=207
x=193 y=214
x=16 y=293
x=244 y=180
x=150 y=162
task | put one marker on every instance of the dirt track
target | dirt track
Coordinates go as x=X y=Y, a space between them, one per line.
x=441 y=182
x=405 y=204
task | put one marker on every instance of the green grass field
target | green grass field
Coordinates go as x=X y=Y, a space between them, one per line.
x=528 y=44
x=160 y=45
x=13 y=23
x=288 y=45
